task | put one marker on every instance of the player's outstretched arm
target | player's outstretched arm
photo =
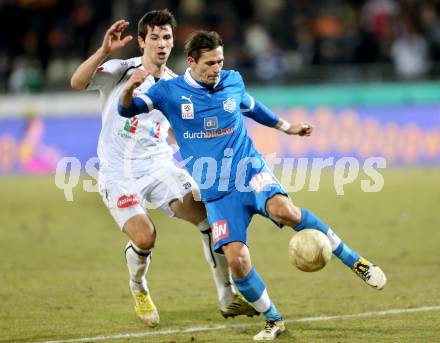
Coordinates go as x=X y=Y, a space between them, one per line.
x=111 y=42
x=257 y=111
x=128 y=106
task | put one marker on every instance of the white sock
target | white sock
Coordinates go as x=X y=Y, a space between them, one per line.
x=138 y=261
x=219 y=266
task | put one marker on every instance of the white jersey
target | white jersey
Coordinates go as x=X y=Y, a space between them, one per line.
x=128 y=147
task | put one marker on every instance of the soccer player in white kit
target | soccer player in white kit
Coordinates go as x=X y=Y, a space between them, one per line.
x=136 y=162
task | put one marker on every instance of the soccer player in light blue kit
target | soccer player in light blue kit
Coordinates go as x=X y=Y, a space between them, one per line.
x=205 y=108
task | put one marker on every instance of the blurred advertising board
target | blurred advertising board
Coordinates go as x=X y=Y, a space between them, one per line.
x=400 y=123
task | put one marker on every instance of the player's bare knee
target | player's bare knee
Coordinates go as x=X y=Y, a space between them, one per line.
x=239 y=266
x=238 y=259
x=274 y=207
x=295 y=214
x=286 y=214
x=141 y=231
x=144 y=240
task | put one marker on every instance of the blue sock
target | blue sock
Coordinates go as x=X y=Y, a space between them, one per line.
x=272 y=313
x=253 y=289
x=340 y=249
x=310 y=221
x=346 y=255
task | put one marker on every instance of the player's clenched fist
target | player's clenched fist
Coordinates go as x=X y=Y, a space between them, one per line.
x=301 y=129
x=137 y=78
x=134 y=81
x=112 y=38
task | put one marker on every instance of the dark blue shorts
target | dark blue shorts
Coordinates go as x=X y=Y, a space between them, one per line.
x=229 y=216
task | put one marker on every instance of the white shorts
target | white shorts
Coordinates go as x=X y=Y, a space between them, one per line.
x=126 y=198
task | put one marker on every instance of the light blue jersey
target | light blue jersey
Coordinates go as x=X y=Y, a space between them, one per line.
x=209 y=128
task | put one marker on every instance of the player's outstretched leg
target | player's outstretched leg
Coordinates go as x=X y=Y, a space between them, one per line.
x=231 y=303
x=253 y=289
x=138 y=260
x=283 y=211
x=367 y=271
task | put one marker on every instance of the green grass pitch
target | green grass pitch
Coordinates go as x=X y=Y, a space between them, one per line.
x=62 y=271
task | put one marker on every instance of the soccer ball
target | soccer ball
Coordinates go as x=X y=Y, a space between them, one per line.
x=309 y=250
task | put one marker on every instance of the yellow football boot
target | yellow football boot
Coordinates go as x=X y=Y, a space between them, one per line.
x=145 y=308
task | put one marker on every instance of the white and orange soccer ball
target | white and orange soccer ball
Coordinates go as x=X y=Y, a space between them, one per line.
x=310 y=250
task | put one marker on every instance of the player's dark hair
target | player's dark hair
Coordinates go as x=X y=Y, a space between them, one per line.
x=201 y=41
x=156 y=18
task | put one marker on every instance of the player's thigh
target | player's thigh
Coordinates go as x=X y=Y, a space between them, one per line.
x=122 y=201
x=281 y=209
x=271 y=200
x=172 y=191
x=188 y=209
x=229 y=218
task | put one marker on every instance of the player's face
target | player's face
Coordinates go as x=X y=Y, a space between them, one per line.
x=207 y=68
x=157 y=44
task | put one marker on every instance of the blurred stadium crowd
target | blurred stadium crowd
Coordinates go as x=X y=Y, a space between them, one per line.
x=276 y=41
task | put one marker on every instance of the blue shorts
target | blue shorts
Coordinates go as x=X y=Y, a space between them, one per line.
x=229 y=216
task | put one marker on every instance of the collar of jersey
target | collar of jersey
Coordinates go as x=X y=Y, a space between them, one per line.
x=193 y=82
x=138 y=62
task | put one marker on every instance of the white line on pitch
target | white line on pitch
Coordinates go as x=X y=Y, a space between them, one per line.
x=234 y=326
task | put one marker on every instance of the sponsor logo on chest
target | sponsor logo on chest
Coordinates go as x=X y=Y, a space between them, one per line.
x=229 y=105
x=210 y=123
x=131 y=125
x=187 y=111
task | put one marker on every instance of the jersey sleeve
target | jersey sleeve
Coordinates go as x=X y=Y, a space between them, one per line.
x=155 y=96
x=247 y=103
x=152 y=99
x=256 y=110
x=107 y=75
